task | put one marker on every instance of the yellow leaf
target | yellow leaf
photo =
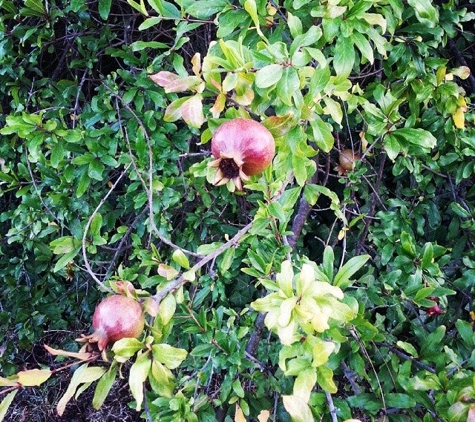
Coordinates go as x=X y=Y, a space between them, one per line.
x=77 y=355
x=9 y=382
x=459 y=118
x=192 y=111
x=82 y=375
x=298 y=409
x=5 y=403
x=166 y=271
x=138 y=374
x=263 y=416
x=196 y=62
x=33 y=377
x=239 y=415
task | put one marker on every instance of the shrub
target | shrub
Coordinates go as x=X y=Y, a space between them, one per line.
x=315 y=294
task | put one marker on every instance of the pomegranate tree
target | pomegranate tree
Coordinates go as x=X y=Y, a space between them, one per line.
x=242 y=148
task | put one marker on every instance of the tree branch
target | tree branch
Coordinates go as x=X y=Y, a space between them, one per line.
x=180 y=281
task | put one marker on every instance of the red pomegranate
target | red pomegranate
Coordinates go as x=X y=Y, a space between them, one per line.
x=115 y=318
x=242 y=148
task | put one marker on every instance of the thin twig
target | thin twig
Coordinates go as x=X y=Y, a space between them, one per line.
x=148 y=188
x=301 y=217
x=374 y=198
x=121 y=243
x=405 y=356
x=180 y=281
x=332 y=407
x=88 y=225
x=37 y=191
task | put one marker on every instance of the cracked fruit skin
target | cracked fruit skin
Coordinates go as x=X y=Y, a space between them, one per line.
x=242 y=148
x=115 y=318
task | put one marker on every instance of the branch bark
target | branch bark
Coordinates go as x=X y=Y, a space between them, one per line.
x=180 y=281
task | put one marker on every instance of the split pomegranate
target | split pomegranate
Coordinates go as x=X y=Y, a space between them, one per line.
x=242 y=148
x=347 y=161
x=115 y=318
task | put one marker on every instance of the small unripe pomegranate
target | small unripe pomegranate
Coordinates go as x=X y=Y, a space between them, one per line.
x=434 y=310
x=115 y=318
x=242 y=148
x=347 y=160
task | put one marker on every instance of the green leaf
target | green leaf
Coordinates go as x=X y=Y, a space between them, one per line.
x=342 y=278
x=392 y=147
x=140 y=7
x=96 y=224
x=104 y=8
x=333 y=108
x=328 y=261
x=173 y=111
x=146 y=24
x=180 y=258
x=237 y=388
x=125 y=348
x=407 y=243
x=170 y=356
x=399 y=401
x=57 y=154
x=419 y=137
x=165 y=9
x=276 y=210
x=325 y=379
x=73 y=136
x=285 y=278
x=103 y=387
x=363 y=45
x=227 y=260
x=408 y=347
x=66 y=259
x=95 y=170
x=161 y=379
x=204 y=9
x=288 y=84
x=427 y=256
x=300 y=169
x=138 y=375
x=251 y=8
x=142 y=45
x=322 y=134
x=37 y=6
x=167 y=309
x=294 y=24
x=269 y=75
x=432 y=343
x=64 y=244
x=465 y=329
x=425 y=11
x=344 y=57
x=208 y=248
x=310 y=38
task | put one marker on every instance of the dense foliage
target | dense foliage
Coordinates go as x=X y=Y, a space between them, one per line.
x=317 y=293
